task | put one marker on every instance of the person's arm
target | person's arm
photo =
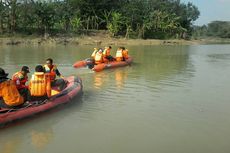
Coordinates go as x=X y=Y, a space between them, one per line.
x=29 y=85
x=17 y=82
x=1 y=97
x=48 y=85
x=58 y=73
x=0 y=92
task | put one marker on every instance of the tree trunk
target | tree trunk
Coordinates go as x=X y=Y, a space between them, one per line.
x=67 y=23
x=8 y=24
x=46 y=34
x=127 y=32
x=143 y=31
x=13 y=16
x=1 y=20
x=1 y=24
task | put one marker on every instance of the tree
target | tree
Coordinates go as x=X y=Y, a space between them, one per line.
x=76 y=23
x=45 y=16
x=141 y=18
x=115 y=23
x=2 y=15
x=219 y=29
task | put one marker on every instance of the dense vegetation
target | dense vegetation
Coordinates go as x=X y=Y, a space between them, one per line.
x=219 y=29
x=127 y=18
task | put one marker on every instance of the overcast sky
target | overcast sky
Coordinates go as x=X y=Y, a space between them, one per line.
x=211 y=10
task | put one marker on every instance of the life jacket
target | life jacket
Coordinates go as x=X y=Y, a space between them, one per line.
x=51 y=71
x=20 y=80
x=99 y=58
x=94 y=53
x=40 y=84
x=126 y=54
x=10 y=94
x=106 y=52
x=119 y=55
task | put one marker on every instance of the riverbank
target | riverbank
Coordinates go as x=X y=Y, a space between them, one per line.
x=101 y=40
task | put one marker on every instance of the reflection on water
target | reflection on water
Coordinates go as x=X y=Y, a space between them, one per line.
x=38 y=138
x=10 y=146
x=220 y=56
x=120 y=77
x=174 y=96
x=41 y=138
x=112 y=77
x=99 y=79
x=156 y=65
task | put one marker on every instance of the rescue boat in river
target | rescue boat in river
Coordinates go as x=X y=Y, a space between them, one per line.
x=83 y=63
x=112 y=64
x=73 y=89
x=102 y=66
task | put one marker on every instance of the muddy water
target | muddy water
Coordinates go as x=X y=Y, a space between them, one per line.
x=172 y=99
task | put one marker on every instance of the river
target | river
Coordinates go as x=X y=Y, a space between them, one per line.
x=172 y=99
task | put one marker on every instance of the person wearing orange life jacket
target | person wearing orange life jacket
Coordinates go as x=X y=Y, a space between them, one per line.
x=125 y=54
x=106 y=55
x=121 y=54
x=91 y=61
x=40 y=84
x=20 y=78
x=9 y=95
x=52 y=70
x=99 y=57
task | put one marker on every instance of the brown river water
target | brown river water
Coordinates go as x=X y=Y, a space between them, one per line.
x=172 y=99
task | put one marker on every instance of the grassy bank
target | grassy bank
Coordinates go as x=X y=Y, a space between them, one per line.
x=99 y=39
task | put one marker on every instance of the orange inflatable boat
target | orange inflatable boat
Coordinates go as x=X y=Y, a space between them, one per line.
x=112 y=64
x=83 y=63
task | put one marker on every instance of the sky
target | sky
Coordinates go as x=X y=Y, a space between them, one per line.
x=211 y=10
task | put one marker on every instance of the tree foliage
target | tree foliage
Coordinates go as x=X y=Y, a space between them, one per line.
x=219 y=29
x=134 y=18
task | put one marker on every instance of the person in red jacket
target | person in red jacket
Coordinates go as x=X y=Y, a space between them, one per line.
x=20 y=78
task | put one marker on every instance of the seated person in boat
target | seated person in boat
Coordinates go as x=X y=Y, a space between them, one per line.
x=8 y=92
x=20 y=78
x=52 y=70
x=125 y=54
x=121 y=54
x=106 y=55
x=40 y=84
x=91 y=61
x=99 y=57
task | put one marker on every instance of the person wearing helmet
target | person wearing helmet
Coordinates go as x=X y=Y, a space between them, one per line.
x=9 y=95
